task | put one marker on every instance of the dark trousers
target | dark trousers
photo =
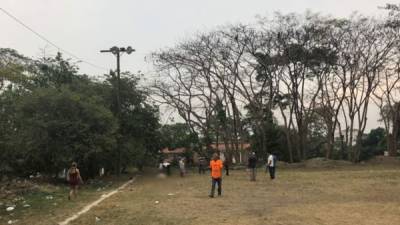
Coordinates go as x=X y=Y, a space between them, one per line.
x=213 y=182
x=252 y=174
x=271 y=170
x=168 y=170
x=227 y=170
x=202 y=170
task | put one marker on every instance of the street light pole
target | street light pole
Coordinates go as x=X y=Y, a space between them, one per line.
x=117 y=52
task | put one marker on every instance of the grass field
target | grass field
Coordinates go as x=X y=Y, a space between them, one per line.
x=352 y=195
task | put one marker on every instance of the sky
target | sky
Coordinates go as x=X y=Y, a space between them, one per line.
x=84 y=27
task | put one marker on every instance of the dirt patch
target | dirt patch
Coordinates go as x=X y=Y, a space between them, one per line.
x=386 y=160
x=325 y=163
x=315 y=163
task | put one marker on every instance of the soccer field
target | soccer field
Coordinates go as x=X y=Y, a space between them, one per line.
x=352 y=195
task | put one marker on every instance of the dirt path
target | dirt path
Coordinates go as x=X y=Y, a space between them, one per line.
x=95 y=203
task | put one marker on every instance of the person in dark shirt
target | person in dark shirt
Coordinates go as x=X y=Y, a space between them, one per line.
x=227 y=163
x=252 y=166
x=202 y=165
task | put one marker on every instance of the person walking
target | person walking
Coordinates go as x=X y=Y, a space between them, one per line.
x=74 y=179
x=182 y=167
x=167 y=166
x=252 y=164
x=271 y=164
x=216 y=175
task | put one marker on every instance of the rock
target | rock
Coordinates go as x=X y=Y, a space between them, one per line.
x=171 y=194
x=97 y=219
x=49 y=197
x=156 y=202
x=27 y=205
x=9 y=209
x=10 y=222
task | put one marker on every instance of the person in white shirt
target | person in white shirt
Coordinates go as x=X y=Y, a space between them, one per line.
x=167 y=166
x=271 y=164
x=182 y=167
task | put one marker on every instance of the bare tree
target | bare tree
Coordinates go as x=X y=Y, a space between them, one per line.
x=368 y=46
x=387 y=98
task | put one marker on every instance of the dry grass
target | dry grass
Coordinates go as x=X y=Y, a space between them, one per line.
x=353 y=195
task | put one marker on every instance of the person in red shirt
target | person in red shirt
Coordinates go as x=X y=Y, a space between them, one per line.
x=216 y=174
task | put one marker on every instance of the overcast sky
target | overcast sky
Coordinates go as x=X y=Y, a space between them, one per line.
x=83 y=27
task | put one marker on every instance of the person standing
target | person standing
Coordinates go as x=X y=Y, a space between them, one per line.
x=226 y=165
x=202 y=165
x=182 y=167
x=252 y=164
x=271 y=163
x=74 y=179
x=167 y=166
x=216 y=175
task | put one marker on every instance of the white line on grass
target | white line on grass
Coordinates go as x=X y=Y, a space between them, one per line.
x=95 y=203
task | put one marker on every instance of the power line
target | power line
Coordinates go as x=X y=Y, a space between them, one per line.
x=50 y=42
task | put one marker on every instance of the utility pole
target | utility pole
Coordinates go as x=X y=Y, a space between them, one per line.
x=117 y=52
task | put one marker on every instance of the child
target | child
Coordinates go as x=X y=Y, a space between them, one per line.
x=73 y=178
x=216 y=174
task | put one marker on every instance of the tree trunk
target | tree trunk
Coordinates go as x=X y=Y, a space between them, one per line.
x=330 y=140
x=391 y=145
x=290 y=148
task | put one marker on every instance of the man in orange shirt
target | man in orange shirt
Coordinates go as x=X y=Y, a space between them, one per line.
x=216 y=174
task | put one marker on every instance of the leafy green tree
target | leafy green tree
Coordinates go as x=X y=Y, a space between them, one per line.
x=177 y=135
x=373 y=144
x=138 y=122
x=56 y=127
x=50 y=115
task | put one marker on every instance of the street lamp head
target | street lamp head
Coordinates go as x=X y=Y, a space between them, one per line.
x=114 y=50
x=129 y=50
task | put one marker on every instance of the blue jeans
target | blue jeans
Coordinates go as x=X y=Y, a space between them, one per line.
x=213 y=182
